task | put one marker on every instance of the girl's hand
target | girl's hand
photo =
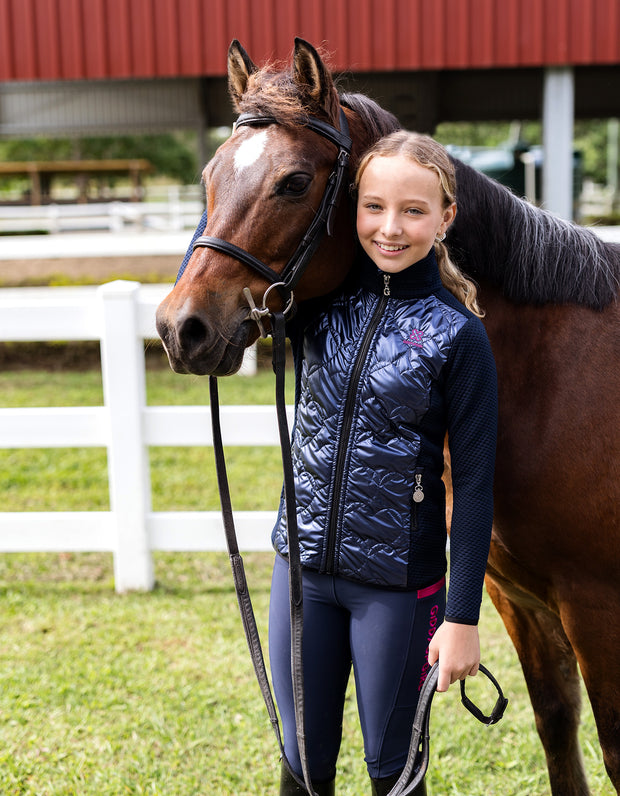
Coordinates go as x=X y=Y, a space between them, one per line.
x=457 y=648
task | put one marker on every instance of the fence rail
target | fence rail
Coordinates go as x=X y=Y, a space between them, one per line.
x=121 y=315
x=173 y=214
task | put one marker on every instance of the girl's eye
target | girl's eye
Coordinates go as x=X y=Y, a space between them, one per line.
x=413 y=211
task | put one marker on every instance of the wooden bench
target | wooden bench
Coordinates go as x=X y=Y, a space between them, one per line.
x=41 y=174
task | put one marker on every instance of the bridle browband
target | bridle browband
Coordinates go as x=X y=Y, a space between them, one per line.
x=323 y=221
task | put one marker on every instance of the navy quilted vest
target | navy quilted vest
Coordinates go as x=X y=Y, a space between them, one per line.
x=369 y=431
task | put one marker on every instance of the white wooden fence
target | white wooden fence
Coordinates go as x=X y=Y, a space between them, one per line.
x=174 y=214
x=120 y=315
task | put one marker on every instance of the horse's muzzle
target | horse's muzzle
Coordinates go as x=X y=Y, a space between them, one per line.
x=194 y=345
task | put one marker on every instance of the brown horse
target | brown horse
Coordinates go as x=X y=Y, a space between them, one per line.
x=550 y=290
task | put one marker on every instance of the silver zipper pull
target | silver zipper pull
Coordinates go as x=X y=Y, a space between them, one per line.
x=386 y=284
x=418 y=490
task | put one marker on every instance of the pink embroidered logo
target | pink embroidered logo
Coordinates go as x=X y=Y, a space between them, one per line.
x=415 y=339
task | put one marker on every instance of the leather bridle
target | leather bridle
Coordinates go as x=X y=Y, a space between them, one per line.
x=323 y=221
x=285 y=283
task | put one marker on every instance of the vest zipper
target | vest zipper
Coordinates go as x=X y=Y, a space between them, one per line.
x=347 y=422
x=417 y=496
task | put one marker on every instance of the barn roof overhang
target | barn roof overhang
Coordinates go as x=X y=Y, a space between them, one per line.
x=421 y=100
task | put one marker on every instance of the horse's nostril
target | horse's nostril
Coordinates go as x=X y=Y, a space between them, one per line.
x=192 y=333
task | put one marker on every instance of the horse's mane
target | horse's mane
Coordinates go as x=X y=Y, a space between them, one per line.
x=377 y=121
x=534 y=256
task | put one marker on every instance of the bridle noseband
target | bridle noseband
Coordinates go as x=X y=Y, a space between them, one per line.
x=322 y=222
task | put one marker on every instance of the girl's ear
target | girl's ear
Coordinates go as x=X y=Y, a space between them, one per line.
x=448 y=216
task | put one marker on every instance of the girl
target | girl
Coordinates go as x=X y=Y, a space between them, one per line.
x=396 y=360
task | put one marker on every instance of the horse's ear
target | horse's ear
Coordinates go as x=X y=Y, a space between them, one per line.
x=313 y=78
x=240 y=67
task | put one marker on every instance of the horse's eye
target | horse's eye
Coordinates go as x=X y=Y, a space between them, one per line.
x=294 y=184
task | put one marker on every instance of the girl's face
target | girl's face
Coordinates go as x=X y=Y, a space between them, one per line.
x=400 y=211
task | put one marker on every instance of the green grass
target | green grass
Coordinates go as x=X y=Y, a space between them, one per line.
x=104 y=694
x=154 y=693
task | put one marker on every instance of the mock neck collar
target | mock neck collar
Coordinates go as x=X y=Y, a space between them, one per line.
x=419 y=280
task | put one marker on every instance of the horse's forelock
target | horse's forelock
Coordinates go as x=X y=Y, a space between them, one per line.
x=274 y=92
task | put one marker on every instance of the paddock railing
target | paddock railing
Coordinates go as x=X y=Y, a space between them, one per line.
x=121 y=315
x=174 y=214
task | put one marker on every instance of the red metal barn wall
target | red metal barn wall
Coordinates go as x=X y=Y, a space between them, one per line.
x=90 y=39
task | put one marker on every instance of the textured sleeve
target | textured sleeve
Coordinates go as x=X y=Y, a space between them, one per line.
x=471 y=390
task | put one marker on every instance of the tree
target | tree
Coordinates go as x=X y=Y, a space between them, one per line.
x=171 y=154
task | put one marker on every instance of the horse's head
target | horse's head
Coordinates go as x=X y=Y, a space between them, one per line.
x=263 y=188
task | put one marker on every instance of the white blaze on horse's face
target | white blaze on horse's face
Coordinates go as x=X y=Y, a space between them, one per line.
x=250 y=150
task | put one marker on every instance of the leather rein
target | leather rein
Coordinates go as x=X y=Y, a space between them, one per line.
x=419 y=747
x=284 y=283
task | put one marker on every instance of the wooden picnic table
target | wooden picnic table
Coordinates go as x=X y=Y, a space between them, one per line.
x=41 y=174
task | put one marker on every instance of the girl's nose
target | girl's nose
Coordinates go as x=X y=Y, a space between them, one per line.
x=391 y=226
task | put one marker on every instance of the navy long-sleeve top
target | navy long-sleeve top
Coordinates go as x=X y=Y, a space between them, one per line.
x=381 y=380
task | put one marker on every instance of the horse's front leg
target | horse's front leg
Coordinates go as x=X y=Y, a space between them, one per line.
x=552 y=679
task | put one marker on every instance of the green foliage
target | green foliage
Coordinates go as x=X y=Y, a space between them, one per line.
x=172 y=154
x=489 y=134
x=590 y=138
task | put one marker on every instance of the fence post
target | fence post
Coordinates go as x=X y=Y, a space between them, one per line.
x=249 y=364
x=124 y=389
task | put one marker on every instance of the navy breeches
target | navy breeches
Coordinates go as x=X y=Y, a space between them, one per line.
x=384 y=634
